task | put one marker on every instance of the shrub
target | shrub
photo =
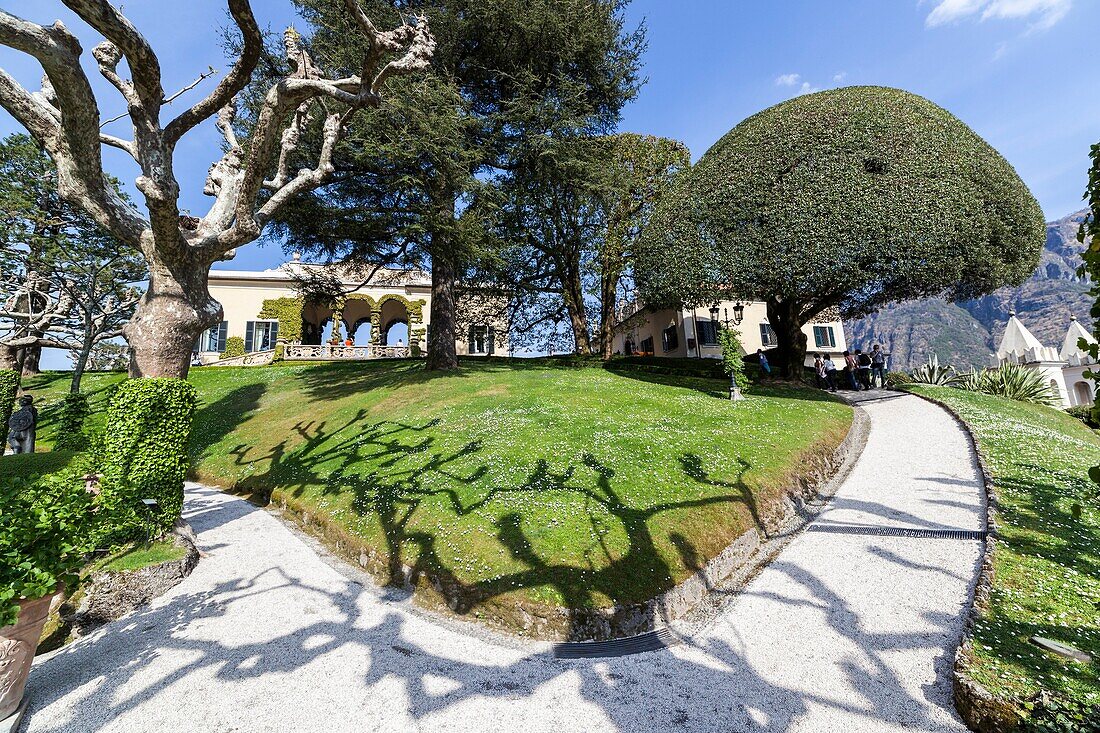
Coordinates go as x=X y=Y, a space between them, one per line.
x=43 y=538
x=145 y=448
x=1060 y=716
x=9 y=386
x=897 y=378
x=1086 y=415
x=1012 y=381
x=234 y=347
x=932 y=373
x=70 y=423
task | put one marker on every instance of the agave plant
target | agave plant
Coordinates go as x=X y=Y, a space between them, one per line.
x=932 y=373
x=1012 y=381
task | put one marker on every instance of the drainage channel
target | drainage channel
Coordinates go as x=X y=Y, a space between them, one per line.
x=648 y=642
x=912 y=532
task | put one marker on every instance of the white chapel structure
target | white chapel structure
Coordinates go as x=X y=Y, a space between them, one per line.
x=1064 y=369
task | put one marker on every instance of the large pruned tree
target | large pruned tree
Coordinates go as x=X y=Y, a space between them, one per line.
x=249 y=183
x=417 y=180
x=852 y=199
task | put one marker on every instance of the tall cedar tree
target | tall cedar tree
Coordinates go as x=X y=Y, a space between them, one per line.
x=570 y=217
x=414 y=179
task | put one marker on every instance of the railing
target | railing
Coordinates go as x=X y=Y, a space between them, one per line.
x=256 y=358
x=328 y=352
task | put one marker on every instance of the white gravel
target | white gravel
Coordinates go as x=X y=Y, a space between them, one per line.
x=842 y=632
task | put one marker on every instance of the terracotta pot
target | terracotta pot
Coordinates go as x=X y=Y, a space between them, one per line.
x=17 y=645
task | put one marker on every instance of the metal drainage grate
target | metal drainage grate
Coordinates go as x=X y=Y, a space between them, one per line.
x=648 y=642
x=913 y=532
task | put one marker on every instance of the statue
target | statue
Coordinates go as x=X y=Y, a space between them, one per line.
x=22 y=425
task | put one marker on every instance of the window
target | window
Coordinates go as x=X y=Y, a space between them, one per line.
x=479 y=339
x=260 y=335
x=767 y=335
x=670 y=339
x=646 y=346
x=823 y=337
x=214 y=339
x=708 y=332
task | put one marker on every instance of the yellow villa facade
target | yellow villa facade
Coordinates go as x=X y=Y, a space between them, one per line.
x=266 y=311
x=693 y=332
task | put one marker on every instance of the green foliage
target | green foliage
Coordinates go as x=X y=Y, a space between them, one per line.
x=70 y=430
x=932 y=373
x=907 y=202
x=288 y=311
x=145 y=448
x=43 y=538
x=733 y=355
x=895 y=379
x=9 y=387
x=1088 y=233
x=1009 y=380
x=1086 y=415
x=1060 y=716
x=234 y=347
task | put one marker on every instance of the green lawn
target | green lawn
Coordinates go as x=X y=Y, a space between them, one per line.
x=1047 y=565
x=562 y=484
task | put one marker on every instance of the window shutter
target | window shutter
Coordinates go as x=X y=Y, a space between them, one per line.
x=471 y=344
x=275 y=334
x=490 y=346
x=249 y=333
x=219 y=342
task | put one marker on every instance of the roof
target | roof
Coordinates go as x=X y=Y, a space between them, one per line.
x=1075 y=333
x=290 y=272
x=1017 y=339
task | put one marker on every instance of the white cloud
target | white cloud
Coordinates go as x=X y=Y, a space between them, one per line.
x=839 y=77
x=788 y=80
x=806 y=88
x=1044 y=13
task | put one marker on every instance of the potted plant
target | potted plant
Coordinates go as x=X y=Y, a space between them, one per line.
x=43 y=526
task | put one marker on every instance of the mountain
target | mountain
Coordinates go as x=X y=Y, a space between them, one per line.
x=965 y=334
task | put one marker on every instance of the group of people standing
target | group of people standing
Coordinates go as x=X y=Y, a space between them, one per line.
x=860 y=369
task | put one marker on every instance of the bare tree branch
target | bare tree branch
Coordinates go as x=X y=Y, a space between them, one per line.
x=233 y=82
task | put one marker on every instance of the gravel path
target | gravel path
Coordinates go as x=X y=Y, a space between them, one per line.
x=842 y=632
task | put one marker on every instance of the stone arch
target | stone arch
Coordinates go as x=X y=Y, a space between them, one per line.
x=1083 y=393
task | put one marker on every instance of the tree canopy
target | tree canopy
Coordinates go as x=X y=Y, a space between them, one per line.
x=418 y=180
x=849 y=198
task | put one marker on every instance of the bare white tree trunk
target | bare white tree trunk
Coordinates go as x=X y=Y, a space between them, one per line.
x=64 y=118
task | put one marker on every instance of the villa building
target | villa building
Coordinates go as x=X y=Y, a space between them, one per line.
x=693 y=332
x=385 y=315
x=1064 y=369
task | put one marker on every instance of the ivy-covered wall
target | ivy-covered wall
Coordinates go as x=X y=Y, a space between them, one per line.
x=288 y=311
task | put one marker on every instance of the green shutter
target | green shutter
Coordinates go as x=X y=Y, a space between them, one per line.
x=249 y=335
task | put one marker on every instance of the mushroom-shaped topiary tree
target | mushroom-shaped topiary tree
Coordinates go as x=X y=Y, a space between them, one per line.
x=851 y=199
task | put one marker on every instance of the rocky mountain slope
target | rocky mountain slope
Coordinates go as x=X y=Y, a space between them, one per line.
x=966 y=333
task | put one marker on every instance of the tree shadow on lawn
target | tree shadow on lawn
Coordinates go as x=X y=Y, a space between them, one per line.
x=216 y=420
x=419 y=494
x=1047 y=511
x=343 y=659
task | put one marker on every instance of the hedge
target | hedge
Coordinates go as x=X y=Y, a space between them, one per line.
x=70 y=423
x=288 y=311
x=9 y=386
x=234 y=347
x=145 y=447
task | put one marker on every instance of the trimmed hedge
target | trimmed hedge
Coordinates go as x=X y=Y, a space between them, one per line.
x=145 y=447
x=288 y=311
x=9 y=386
x=70 y=423
x=234 y=347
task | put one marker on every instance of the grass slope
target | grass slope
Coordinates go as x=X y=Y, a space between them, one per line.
x=566 y=486
x=1047 y=565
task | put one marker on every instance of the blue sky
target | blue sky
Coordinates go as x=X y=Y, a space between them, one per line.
x=1017 y=71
